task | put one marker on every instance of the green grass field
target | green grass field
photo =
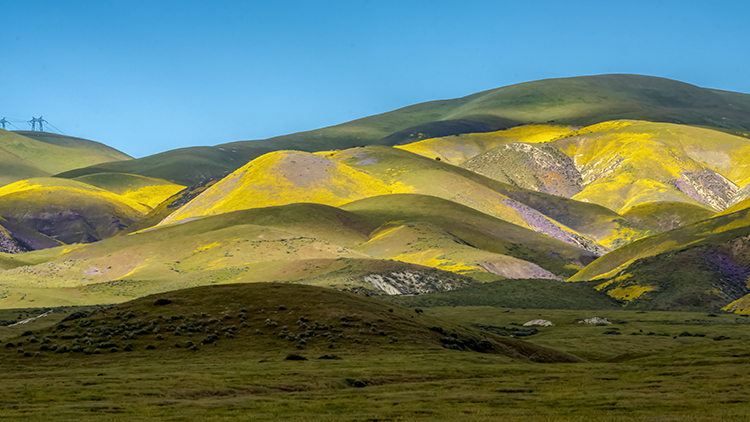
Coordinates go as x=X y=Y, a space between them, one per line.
x=664 y=366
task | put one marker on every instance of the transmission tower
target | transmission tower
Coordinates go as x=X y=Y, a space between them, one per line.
x=3 y=122
x=35 y=120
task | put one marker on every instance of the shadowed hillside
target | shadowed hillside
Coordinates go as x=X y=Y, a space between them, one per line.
x=265 y=318
x=65 y=211
x=703 y=265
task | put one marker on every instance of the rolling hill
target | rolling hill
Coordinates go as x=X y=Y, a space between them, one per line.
x=627 y=163
x=26 y=154
x=436 y=244
x=701 y=266
x=42 y=212
x=145 y=190
x=638 y=183
x=335 y=178
x=617 y=164
x=266 y=318
x=579 y=101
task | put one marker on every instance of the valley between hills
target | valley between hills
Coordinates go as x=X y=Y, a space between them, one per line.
x=432 y=233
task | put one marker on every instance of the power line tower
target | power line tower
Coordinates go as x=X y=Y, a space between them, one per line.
x=35 y=120
x=3 y=122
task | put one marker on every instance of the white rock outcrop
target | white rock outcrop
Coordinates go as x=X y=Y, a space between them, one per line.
x=594 y=320
x=539 y=323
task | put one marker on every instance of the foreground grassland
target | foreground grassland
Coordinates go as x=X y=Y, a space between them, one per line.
x=653 y=371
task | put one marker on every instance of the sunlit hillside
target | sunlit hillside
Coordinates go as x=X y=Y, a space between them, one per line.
x=40 y=154
x=307 y=243
x=638 y=183
x=145 y=190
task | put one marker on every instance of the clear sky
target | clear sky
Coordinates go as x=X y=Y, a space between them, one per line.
x=149 y=76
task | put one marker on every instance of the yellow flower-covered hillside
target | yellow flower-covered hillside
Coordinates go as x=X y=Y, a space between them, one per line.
x=286 y=177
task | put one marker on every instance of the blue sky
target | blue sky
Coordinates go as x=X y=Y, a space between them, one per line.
x=149 y=76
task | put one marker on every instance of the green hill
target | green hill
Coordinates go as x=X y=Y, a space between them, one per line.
x=468 y=227
x=531 y=294
x=26 y=154
x=530 y=181
x=84 y=145
x=264 y=317
x=579 y=101
x=659 y=217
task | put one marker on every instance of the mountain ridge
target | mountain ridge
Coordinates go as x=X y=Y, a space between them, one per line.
x=372 y=130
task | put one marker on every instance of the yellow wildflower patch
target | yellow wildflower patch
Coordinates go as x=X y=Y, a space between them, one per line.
x=287 y=177
x=457 y=149
x=206 y=247
x=435 y=259
x=739 y=306
x=629 y=293
x=152 y=196
x=42 y=185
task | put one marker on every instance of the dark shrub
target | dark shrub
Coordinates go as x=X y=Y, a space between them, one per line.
x=330 y=357
x=719 y=338
x=76 y=315
x=294 y=356
x=162 y=301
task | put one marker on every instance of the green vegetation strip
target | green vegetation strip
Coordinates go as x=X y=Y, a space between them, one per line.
x=542 y=294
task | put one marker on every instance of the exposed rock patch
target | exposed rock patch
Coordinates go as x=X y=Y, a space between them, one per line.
x=538 y=167
x=538 y=323
x=410 y=282
x=595 y=320
x=708 y=187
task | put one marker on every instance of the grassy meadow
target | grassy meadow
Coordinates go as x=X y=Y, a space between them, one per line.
x=663 y=366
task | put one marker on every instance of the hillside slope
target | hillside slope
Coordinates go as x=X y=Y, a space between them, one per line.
x=269 y=318
x=703 y=265
x=579 y=101
x=145 y=190
x=335 y=178
x=356 y=248
x=40 y=154
x=627 y=163
x=64 y=210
